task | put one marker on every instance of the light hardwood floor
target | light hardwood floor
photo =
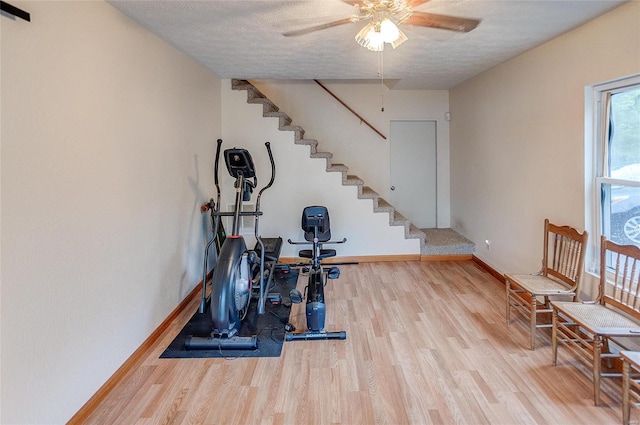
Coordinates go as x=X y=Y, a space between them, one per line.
x=426 y=343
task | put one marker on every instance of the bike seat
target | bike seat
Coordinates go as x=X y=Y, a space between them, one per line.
x=324 y=253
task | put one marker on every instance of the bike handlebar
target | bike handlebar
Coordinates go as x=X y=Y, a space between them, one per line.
x=311 y=242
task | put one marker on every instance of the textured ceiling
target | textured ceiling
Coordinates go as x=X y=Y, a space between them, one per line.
x=243 y=39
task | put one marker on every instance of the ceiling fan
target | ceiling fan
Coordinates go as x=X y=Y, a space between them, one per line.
x=384 y=16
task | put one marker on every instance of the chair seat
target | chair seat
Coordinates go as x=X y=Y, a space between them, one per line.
x=598 y=319
x=324 y=253
x=537 y=284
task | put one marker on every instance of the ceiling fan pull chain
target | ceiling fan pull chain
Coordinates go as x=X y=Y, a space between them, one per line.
x=381 y=75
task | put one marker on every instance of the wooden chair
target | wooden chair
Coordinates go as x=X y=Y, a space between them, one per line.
x=630 y=383
x=562 y=259
x=586 y=328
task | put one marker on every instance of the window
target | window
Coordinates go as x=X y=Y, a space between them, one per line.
x=615 y=128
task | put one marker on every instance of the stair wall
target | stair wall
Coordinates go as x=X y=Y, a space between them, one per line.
x=354 y=143
x=302 y=180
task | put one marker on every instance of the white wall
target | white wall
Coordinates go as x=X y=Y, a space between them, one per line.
x=107 y=135
x=518 y=142
x=302 y=181
x=353 y=143
x=107 y=138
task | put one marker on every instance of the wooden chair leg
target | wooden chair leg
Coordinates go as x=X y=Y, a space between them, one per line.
x=605 y=345
x=533 y=323
x=626 y=387
x=508 y=312
x=597 y=366
x=554 y=337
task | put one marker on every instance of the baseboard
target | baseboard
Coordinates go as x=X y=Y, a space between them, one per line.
x=446 y=257
x=89 y=407
x=493 y=272
x=382 y=258
x=354 y=259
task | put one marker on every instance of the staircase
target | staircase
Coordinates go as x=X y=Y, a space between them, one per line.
x=364 y=192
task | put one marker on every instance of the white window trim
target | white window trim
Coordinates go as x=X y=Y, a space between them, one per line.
x=594 y=163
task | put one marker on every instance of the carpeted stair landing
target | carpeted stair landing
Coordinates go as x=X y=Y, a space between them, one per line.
x=446 y=242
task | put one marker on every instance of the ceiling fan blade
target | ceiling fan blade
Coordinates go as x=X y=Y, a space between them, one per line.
x=412 y=3
x=317 y=27
x=445 y=22
x=415 y=3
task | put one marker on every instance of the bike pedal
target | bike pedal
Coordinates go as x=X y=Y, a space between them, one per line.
x=295 y=296
x=333 y=273
x=274 y=298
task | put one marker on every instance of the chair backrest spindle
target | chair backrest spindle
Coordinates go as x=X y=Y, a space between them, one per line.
x=619 y=281
x=565 y=249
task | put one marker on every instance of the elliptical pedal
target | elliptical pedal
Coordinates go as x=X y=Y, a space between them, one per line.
x=233 y=343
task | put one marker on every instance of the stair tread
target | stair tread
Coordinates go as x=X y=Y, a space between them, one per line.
x=321 y=155
x=368 y=193
x=307 y=141
x=291 y=128
x=385 y=208
x=436 y=242
x=383 y=203
x=397 y=217
x=278 y=114
x=445 y=237
x=240 y=84
x=351 y=180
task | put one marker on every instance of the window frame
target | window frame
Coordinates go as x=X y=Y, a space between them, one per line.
x=596 y=152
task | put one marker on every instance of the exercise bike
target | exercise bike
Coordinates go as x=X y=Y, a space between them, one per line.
x=317 y=232
x=238 y=272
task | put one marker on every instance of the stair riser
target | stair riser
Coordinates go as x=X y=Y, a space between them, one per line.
x=285 y=124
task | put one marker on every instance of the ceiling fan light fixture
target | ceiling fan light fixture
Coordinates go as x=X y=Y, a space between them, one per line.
x=389 y=31
x=401 y=39
x=378 y=32
x=370 y=37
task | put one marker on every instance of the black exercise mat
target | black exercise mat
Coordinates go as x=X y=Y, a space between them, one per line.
x=269 y=327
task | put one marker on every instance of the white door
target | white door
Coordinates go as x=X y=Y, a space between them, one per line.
x=413 y=171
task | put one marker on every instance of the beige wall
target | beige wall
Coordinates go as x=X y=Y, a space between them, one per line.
x=518 y=139
x=107 y=139
x=355 y=144
x=105 y=155
x=302 y=181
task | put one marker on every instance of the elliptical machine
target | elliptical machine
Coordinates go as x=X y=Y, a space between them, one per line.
x=238 y=271
x=317 y=231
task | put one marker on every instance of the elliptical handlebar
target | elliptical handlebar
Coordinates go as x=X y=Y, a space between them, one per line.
x=273 y=174
x=210 y=206
x=217 y=161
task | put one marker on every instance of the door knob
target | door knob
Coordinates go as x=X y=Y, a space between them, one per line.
x=393 y=188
